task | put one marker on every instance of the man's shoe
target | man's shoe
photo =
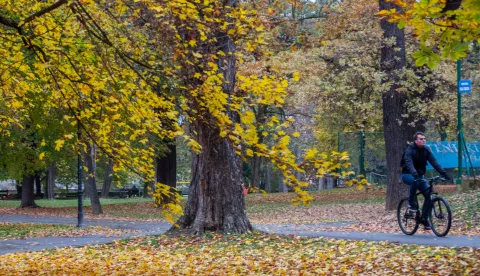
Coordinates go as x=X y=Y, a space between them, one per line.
x=427 y=225
x=411 y=212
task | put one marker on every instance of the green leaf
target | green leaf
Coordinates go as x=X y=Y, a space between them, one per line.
x=418 y=53
x=420 y=61
x=433 y=60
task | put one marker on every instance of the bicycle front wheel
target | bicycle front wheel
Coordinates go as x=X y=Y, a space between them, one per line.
x=441 y=217
x=407 y=222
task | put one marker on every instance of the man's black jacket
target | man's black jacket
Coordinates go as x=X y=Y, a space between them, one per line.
x=415 y=160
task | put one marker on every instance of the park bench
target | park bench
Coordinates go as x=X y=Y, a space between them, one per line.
x=182 y=189
x=66 y=195
x=6 y=194
x=118 y=193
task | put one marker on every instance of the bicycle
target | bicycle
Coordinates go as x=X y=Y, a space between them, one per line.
x=440 y=216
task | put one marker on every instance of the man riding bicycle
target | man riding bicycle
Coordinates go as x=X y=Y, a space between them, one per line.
x=414 y=164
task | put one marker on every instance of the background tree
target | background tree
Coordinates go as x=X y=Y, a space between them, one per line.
x=451 y=26
x=91 y=179
x=166 y=167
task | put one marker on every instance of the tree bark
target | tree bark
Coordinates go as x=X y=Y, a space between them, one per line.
x=257 y=161
x=90 y=182
x=107 y=182
x=215 y=200
x=268 y=178
x=282 y=188
x=38 y=185
x=18 y=187
x=50 y=191
x=397 y=131
x=28 y=197
x=167 y=168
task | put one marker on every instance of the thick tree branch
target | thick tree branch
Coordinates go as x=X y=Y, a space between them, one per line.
x=317 y=16
x=10 y=23
x=452 y=5
x=13 y=24
x=45 y=10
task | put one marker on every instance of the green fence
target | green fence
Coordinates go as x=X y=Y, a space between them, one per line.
x=367 y=154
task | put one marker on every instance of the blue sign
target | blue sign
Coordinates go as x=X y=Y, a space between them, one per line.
x=465 y=86
x=446 y=153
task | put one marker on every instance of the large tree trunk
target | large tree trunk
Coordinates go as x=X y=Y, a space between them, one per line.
x=107 y=182
x=50 y=190
x=215 y=200
x=90 y=182
x=396 y=129
x=28 y=197
x=167 y=168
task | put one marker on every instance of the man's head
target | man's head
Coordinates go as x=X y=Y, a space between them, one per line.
x=419 y=139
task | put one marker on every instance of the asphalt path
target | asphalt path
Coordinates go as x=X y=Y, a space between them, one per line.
x=157 y=228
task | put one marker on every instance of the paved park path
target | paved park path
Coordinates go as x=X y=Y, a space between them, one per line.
x=156 y=228
x=35 y=244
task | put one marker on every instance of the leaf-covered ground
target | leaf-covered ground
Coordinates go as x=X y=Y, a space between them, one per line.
x=365 y=208
x=9 y=231
x=370 y=217
x=257 y=254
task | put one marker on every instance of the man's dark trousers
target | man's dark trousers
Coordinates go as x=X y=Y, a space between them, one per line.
x=423 y=187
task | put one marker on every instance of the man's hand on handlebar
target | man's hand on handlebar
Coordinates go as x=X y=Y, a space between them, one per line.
x=445 y=177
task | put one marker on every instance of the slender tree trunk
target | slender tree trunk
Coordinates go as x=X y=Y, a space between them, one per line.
x=50 y=190
x=18 y=187
x=257 y=161
x=282 y=186
x=167 y=168
x=396 y=129
x=28 y=197
x=38 y=185
x=91 y=180
x=107 y=182
x=268 y=178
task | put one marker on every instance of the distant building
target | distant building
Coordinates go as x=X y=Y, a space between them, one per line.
x=7 y=185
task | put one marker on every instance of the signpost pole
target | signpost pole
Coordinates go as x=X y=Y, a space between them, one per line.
x=362 y=152
x=459 y=121
x=80 y=177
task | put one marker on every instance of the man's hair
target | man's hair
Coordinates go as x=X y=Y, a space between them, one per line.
x=416 y=135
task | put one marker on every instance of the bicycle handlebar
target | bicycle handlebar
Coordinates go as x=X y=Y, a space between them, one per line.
x=433 y=179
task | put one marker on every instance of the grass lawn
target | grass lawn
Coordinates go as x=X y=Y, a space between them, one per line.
x=252 y=254
x=9 y=231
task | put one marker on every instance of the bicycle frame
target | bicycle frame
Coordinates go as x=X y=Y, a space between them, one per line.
x=431 y=182
x=433 y=194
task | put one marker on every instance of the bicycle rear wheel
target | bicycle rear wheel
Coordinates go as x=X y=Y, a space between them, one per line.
x=441 y=217
x=407 y=223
